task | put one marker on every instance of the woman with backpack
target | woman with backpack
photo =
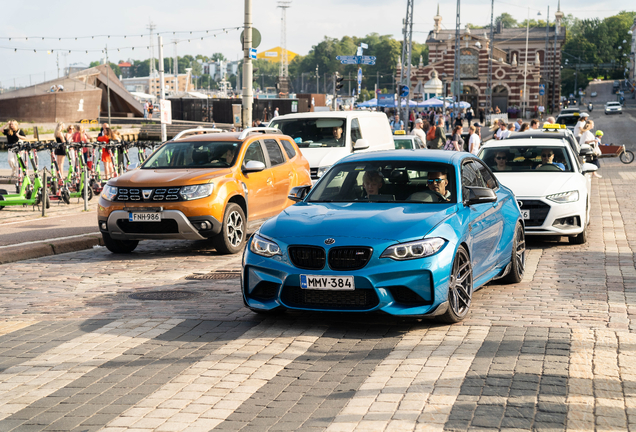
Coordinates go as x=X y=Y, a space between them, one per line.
x=435 y=138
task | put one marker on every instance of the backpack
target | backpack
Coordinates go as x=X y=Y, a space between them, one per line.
x=430 y=135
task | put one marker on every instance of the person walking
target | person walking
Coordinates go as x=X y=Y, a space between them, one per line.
x=587 y=137
x=276 y=113
x=469 y=114
x=60 y=150
x=482 y=115
x=106 y=157
x=456 y=141
x=146 y=109
x=579 y=124
x=151 y=108
x=396 y=124
x=417 y=130
x=14 y=134
x=435 y=138
x=474 y=143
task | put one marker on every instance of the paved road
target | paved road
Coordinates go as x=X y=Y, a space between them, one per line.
x=22 y=231
x=554 y=352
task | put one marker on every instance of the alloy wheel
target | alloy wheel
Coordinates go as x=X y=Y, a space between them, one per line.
x=461 y=284
x=520 y=253
x=235 y=228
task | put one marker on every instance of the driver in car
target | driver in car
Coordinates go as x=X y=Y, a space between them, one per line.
x=547 y=158
x=337 y=135
x=372 y=181
x=437 y=192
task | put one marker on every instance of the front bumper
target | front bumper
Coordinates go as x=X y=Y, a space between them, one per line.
x=174 y=225
x=549 y=218
x=403 y=288
x=613 y=111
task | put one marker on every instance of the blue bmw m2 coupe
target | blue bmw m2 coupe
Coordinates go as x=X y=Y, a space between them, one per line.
x=409 y=233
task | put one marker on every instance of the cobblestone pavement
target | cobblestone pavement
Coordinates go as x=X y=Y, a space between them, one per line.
x=554 y=352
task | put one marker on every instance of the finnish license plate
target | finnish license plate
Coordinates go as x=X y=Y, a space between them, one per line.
x=341 y=283
x=525 y=214
x=144 y=217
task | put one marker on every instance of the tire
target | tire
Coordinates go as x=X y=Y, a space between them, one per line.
x=1 y=199
x=518 y=263
x=460 y=288
x=580 y=238
x=90 y=193
x=4 y=192
x=627 y=157
x=232 y=236
x=119 y=246
x=66 y=196
x=54 y=187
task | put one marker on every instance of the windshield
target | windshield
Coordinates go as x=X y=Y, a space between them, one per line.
x=200 y=154
x=612 y=104
x=568 y=121
x=527 y=159
x=314 y=132
x=403 y=143
x=387 y=181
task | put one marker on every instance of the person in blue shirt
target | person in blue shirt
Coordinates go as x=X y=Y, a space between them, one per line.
x=547 y=158
x=396 y=124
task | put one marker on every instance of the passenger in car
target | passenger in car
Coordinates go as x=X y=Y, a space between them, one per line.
x=501 y=162
x=372 y=181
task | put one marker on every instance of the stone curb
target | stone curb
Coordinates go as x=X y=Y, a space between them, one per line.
x=37 y=250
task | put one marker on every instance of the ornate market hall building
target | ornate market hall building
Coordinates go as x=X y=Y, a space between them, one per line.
x=542 y=73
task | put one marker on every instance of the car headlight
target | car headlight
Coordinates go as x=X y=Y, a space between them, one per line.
x=564 y=197
x=263 y=247
x=413 y=250
x=322 y=171
x=197 y=191
x=109 y=192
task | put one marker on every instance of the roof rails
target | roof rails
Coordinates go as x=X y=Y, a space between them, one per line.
x=250 y=130
x=196 y=130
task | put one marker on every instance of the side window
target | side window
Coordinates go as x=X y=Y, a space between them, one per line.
x=273 y=150
x=486 y=175
x=471 y=175
x=254 y=153
x=289 y=148
x=356 y=134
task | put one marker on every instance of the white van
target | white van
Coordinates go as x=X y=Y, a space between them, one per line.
x=326 y=137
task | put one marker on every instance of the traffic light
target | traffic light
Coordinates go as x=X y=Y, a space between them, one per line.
x=339 y=83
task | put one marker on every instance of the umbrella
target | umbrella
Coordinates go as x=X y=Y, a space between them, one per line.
x=368 y=104
x=432 y=102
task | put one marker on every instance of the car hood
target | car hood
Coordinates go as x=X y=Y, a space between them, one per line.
x=538 y=184
x=168 y=177
x=357 y=220
x=324 y=156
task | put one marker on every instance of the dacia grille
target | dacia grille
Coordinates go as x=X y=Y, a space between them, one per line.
x=148 y=194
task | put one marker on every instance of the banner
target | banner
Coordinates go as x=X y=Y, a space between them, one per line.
x=166 y=111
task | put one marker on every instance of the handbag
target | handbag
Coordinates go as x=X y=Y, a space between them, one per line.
x=449 y=145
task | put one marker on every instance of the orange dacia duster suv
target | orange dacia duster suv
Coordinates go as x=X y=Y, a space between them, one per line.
x=203 y=187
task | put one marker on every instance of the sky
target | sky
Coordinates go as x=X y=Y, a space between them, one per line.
x=308 y=22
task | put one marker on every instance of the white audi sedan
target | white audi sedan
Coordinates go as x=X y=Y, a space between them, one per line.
x=552 y=188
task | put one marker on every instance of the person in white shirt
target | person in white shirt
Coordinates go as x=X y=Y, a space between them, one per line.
x=580 y=124
x=417 y=129
x=276 y=114
x=474 y=142
x=587 y=137
x=502 y=133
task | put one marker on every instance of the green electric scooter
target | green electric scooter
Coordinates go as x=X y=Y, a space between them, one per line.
x=74 y=183
x=30 y=192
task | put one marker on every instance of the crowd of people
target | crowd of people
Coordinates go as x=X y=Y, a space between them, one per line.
x=434 y=128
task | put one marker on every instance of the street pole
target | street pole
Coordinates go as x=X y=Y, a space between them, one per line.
x=107 y=85
x=248 y=97
x=525 y=68
x=334 y=103
x=554 y=70
x=456 y=73
x=162 y=91
x=490 y=50
x=317 y=80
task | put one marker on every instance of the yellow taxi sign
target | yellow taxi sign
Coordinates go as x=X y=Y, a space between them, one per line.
x=399 y=132
x=576 y=114
x=552 y=126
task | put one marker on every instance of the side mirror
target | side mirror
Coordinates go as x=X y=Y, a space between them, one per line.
x=478 y=195
x=586 y=150
x=298 y=193
x=588 y=168
x=253 y=166
x=361 y=144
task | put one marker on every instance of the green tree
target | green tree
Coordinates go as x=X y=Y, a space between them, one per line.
x=533 y=23
x=218 y=57
x=113 y=66
x=507 y=20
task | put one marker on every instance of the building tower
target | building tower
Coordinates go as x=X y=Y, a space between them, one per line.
x=438 y=22
x=283 y=74
x=559 y=17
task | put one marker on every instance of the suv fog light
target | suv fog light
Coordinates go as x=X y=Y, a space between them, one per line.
x=205 y=225
x=103 y=226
